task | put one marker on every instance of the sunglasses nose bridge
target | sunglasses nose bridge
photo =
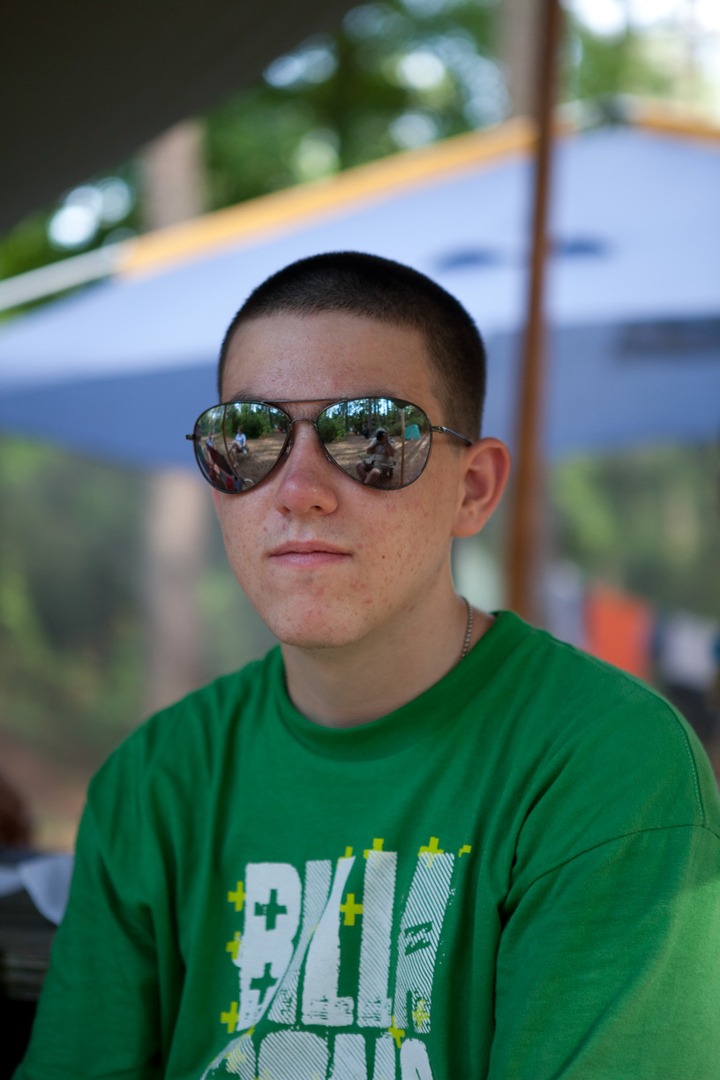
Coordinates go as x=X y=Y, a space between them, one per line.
x=290 y=438
x=301 y=420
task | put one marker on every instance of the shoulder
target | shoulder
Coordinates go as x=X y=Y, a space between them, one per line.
x=585 y=698
x=597 y=754
x=188 y=739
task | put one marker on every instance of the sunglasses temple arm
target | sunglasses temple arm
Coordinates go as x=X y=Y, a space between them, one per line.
x=449 y=431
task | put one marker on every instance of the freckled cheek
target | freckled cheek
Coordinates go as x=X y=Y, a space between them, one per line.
x=410 y=527
x=241 y=544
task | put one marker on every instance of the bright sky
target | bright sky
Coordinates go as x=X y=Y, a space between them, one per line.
x=610 y=16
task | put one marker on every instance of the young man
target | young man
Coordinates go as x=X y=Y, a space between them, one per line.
x=417 y=841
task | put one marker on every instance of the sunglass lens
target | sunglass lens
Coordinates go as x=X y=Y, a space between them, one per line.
x=381 y=442
x=238 y=444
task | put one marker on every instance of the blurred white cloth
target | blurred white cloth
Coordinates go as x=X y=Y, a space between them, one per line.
x=45 y=878
x=685 y=652
x=563 y=602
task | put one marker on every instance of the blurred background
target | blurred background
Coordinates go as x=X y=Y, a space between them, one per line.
x=114 y=593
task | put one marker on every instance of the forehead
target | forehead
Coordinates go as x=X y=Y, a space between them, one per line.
x=286 y=356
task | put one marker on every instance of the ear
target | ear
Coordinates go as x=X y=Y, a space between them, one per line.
x=485 y=472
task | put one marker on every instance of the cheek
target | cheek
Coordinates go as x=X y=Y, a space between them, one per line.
x=240 y=536
x=410 y=535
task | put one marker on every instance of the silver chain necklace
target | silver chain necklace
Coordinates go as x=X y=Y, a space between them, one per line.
x=468 y=630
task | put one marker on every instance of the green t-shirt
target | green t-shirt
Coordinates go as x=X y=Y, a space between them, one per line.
x=515 y=876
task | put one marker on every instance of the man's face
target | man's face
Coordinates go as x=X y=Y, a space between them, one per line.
x=325 y=560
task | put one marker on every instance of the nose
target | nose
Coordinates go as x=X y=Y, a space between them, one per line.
x=307 y=480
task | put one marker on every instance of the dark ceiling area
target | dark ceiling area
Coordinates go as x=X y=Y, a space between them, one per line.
x=85 y=84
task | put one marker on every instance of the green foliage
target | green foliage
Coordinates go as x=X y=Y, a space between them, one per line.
x=331 y=428
x=28 y=246
x=394 y=75
x=598 y=67
x=646 y=522
x=256 y=424
x=69 y=621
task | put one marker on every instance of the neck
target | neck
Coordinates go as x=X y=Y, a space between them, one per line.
x=351 y=685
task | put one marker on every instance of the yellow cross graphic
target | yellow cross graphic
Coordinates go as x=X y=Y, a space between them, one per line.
x=230 y=1018
x=233 y=946
x=464 y=850
x=398 y=1034
x=238 y=897
x=350 y=909
x=420 y=1014
x=432 y=848
x=348 y=853
x=377 y=846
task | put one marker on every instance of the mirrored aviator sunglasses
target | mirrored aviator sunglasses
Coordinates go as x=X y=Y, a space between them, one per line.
x=377 y=441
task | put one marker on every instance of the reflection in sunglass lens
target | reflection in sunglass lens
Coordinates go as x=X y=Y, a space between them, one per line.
x=238 y=444
x=379 y=442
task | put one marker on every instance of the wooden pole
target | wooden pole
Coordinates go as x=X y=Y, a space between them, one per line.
x=525 y=511
x=177 y=504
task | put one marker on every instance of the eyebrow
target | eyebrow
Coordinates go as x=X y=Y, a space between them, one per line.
x=242 y=395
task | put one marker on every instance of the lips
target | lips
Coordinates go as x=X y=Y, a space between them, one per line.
x=307 y=547
x=308 y=553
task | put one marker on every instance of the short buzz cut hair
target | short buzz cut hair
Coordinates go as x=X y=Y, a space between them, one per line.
x=381 y=289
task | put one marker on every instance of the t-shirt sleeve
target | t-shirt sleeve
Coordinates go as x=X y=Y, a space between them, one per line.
x=118 y=971
x=98 y=1016
x=609 y=967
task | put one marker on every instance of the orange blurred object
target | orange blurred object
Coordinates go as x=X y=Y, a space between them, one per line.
x=619 y=630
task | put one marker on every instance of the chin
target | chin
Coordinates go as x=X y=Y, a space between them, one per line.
x=306 y=638
x=312 y=633
x=309 y=644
